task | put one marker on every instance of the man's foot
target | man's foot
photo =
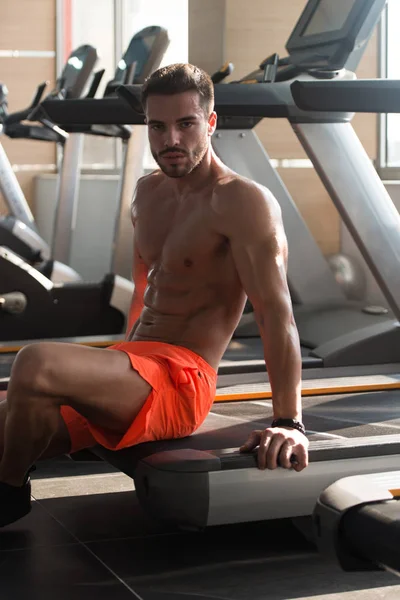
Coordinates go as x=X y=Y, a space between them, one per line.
x=15 y=502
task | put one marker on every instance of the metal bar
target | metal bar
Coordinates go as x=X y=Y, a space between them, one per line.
x=13 y=194
x=360 y=197
x=131 y=170
x=119 y=44
x=382 y=153
x=27 y=54
x=67 y=198
x=59 y=37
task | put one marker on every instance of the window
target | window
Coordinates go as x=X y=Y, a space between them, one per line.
x=109 y=25
x=390 y=68
x=174 y=17
x=92 y=22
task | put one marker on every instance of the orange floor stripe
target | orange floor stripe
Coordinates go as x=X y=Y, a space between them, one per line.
x=15 y=349
x=316 y=391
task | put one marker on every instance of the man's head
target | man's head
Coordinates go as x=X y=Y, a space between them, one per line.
x=178 y=102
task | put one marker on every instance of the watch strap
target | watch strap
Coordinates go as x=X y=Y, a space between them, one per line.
x=293 y=423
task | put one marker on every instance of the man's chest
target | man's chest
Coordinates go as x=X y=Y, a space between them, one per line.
x=179 y=237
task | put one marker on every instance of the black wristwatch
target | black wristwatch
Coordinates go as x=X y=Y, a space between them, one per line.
x=289 y=423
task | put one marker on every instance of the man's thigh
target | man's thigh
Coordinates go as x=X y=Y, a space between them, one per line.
x=100 y=384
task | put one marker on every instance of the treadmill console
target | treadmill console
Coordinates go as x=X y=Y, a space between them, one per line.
x=331 y=35
x=77 y=70
x=141 y=58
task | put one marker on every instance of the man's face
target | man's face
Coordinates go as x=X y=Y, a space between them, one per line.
x=179 y=131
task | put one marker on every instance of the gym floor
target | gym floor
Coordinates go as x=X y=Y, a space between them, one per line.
x=87 y=536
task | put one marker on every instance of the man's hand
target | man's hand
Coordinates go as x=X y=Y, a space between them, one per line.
x=276 y=446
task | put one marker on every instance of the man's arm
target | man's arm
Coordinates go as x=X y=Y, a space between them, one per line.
x=139 y=276
x=139 y=271
x=252 y=222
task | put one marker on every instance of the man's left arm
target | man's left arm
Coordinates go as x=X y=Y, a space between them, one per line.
x=259 y=249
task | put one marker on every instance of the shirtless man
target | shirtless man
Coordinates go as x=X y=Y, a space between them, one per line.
x=205 y=238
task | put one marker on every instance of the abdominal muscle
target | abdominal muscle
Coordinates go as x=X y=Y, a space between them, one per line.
x=200 y=318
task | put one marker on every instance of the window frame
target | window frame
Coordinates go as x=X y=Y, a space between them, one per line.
x=385 y=171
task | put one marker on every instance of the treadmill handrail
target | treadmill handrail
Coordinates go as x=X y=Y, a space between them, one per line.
x=176 y=455
x=361 y=96
x=262 y=100
x=88 y=111
x=233 y=99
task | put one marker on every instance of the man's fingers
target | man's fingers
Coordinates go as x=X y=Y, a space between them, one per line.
x=252 y=441
x=301 y=458
x=285 y=455
x=263 y=449
x=276 y=449
x=278 y=440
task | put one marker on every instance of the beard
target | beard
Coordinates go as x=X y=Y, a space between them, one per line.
x=194 y=158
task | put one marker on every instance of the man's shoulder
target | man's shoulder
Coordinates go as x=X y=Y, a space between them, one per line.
x=149 y=182
x=235 y=192
x=146 y=186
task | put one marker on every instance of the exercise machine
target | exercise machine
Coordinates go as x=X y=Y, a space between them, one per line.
x=31 y=305
x=18 y=230
x=356 y=521
x=332 y=328
x=143 y=55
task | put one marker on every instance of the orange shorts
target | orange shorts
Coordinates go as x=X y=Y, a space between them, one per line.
x=183 y=391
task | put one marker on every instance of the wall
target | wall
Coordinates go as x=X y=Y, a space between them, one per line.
x=251 y=32
x=27 y=26
x=207 y=33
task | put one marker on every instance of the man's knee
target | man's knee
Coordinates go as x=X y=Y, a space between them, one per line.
x=34 y=368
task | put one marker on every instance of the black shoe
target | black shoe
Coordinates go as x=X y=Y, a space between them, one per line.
x=15 y=502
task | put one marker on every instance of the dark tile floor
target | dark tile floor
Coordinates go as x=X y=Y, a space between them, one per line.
x=87 y=537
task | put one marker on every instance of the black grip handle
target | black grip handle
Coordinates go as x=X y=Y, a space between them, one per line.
x=222 y=73
x=34 y=132
x=14 y=303
x=21 y=115
x=97 y=77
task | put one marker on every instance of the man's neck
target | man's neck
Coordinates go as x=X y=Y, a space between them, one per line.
x=201 y=177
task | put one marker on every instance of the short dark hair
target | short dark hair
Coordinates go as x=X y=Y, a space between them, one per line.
x=179 y=78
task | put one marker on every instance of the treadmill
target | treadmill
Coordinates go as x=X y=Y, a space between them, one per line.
x=326 y=45
x=357 y=522
x=18 y=230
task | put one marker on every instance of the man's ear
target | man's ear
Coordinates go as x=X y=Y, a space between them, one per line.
x=212 y=123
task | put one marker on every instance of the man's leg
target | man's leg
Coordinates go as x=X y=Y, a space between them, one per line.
x=99 y=384
x=59 y=445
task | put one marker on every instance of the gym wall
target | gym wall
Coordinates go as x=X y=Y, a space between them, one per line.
x=27 y=29
x=250 y=32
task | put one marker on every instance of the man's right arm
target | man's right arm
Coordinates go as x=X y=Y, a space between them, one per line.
x=139 y=276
